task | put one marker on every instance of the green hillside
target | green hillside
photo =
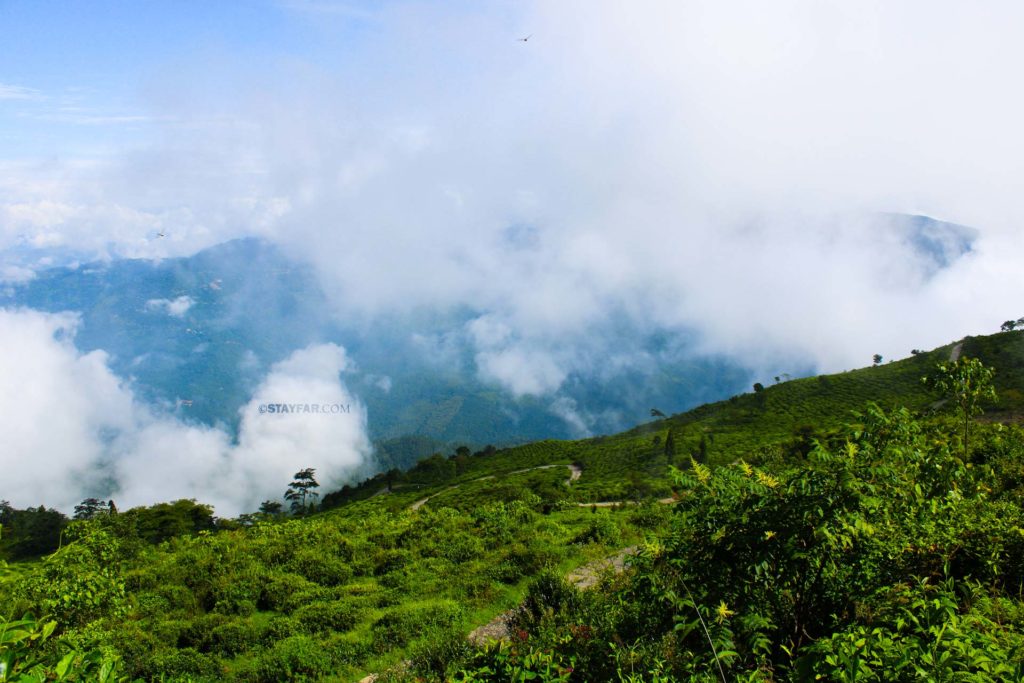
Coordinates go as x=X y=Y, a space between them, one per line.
x=758 y=427
x=795 y=546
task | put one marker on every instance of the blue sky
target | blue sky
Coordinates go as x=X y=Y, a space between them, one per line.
x=715 y=151
x=78 y=77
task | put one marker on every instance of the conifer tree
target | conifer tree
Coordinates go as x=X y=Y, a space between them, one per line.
x=301 y=490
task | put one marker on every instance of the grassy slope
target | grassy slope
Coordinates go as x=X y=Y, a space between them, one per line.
x=400 y=569
x=634 y=463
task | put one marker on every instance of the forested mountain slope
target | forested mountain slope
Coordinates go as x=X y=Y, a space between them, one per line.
x=801 y=540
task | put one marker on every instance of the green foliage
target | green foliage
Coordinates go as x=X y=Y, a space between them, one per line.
x=795 y=547
x=602 y=528
x=90 y=507
x=401 y=625
x=26 y=658
x=296 y=658
x=967 y=384
x=248 y=604
x=317 y=617
x=516 y=663
x=164 y=521
x=923 y=632
x=82 y=582
x=28 y=533
x=803 y=572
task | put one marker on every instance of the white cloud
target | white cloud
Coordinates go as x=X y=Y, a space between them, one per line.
x=54 y=409
x=69 y=423
x=578 y=422
x=522 y=371
x=16 y=274
x=17 y=92
x=716 y=167
x=169 y=460
x=177 y=307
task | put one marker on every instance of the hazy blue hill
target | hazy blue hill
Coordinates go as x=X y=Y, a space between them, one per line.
x=937 y=243
x=759 y=427
x=216 y=351
x=251 y=306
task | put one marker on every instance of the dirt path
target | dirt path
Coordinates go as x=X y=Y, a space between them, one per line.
x=575 y=471
x=954 y=353
x=587 y=576
x=423 y=501
x=613 y=503
x=583 y=578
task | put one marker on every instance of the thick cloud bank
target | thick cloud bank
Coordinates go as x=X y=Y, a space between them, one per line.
x=73 y=429
x=723 y=167
x=724 y=170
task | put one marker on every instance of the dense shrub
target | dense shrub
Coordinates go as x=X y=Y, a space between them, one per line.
x=185 y=663
x=318 y=568
x=137 y=647
x=278 y=590
x=280 y=627
x=297 y=658
x=348 y=648
x=198 y=633
x=81 y=582
x=438 y=652
x=650 y=515
x=881 y=557
x=601 y=529
x=235 y=637
x=318 y=617
x=400 y=625
x=388 y=560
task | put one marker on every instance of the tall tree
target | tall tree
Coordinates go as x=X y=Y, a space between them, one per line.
x=270 y=507
x=90 y=507
x=301 y=490
x=701 y=455
x=967 y=383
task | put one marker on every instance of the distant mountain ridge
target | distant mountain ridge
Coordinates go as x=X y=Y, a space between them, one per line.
x=758 y=427
x=196 y=335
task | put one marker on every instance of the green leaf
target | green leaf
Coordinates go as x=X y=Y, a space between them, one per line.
x=64 y=664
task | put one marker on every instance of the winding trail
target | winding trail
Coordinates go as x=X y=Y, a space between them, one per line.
x=613 y=503
x=575 y=471
x=583 y=578
x=954 y=353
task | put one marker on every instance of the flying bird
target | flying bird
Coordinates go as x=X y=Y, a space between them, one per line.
x=523 y=40
x=160 y=234
x=657 y=413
